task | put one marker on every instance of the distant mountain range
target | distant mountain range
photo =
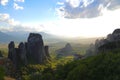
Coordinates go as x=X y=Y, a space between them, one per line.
x=6 y=37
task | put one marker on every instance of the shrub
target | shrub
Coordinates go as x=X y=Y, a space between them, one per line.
x=2 y=73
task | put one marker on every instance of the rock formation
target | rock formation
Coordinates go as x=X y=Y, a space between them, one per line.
x=67 y=47
x=47 y=51
x=67 y=50
x=111 y=42
x=32 y=51
x=35 y=48
x=22 y=53
x=115 y=36
x=12 y=53
x=77 y=56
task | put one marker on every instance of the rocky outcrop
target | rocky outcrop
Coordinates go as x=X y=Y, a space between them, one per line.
x=110 y=43
x=66 y=51
x=12 y=53
x=32 y=51
x=116 y=31
x=17 y=55
x=67 y=47
x=115 y=36
x=47 y=51
x=77 y=56
x=22 y=53
x=35 y=48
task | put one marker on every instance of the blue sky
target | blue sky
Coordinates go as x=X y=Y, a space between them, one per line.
x=38 y=10
x=86 y=18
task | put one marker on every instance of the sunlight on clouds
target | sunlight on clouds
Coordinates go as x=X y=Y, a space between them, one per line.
x=4 y=16
x=89 y=18
x=78 y=18
x=99 y=26
x=86 y=8
x=32 y=27
x=78 y=9
x=9 y=24
x=81 y=3
x=87 y=2
x=6 y=19
x=73 y=3
x=13 y=22
x=3 y=2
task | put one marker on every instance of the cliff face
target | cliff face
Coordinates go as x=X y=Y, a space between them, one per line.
x=36 y=48
x=33 y=51
x=110 y=43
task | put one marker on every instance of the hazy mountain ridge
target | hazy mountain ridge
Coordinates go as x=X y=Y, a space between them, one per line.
x=5 y=37
x=48 y=38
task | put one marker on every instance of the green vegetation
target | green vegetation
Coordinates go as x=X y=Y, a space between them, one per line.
x=104 y=66
x=2 y=73
x=4 y=52
x=101 y=67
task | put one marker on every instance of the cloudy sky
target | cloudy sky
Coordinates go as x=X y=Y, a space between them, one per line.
x=71 y=18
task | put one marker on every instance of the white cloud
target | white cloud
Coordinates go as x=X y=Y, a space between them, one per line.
x=3 y=2
x=86 y=27
x=9 y=24
x=86 y=8
x=79 y=3
x=60 y=3
x=74 y=3
x=28 y=28
x=86 y=2
x=21 y=27
x=5 y=18
x=19 y=0
x=17 y=7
